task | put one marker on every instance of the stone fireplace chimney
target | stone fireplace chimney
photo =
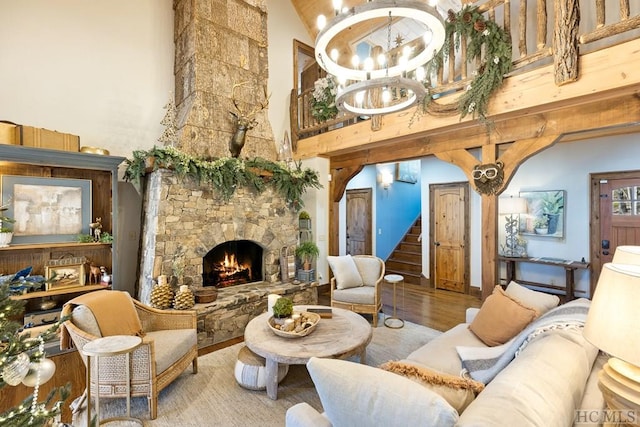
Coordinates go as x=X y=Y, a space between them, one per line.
x=219 y=44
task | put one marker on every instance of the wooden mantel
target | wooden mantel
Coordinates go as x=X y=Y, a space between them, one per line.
x=605 y=100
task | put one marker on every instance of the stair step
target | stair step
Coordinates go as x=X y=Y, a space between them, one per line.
x=410 y=247
x=411 y=256
x=411 y=238
x=416 y=229
x=393 y=264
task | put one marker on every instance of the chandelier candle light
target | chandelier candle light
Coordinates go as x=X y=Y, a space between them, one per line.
x=397 y=81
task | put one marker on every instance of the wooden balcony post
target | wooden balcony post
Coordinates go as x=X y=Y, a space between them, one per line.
x=565 y=41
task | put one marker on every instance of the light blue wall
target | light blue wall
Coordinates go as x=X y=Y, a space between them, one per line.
x=398 y=209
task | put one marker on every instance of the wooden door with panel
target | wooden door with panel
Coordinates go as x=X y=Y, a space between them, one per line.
x=449 y=236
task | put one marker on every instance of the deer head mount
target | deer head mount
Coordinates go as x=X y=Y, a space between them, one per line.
x=247 y=118
x=244 y=119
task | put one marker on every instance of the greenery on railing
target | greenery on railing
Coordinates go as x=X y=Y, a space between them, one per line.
x=479 y=32
x=323 y=99
x=226 y=174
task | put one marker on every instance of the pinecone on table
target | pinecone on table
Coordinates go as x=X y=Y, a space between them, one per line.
x=184 y=299
x=161 y=296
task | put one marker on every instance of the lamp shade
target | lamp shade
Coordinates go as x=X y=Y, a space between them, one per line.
x=612 y=322
x=627 y=255
x=512 y=205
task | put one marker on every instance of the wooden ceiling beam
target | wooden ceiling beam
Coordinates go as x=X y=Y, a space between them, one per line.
x=605 y=117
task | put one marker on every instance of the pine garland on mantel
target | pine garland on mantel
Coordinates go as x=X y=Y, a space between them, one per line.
x=479 y=33
x=226 y=174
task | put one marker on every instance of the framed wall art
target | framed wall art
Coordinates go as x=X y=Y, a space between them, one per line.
x=408 y=171
x=545 y=213
x=47 y=210
x=64 y=276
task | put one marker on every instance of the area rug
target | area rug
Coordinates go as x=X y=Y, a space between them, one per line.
x=213 y=397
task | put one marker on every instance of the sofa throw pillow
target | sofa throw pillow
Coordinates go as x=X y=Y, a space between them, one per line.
x=539 y=301
x=345 y=271
x=458 y=391
x=501 y=318
x=353 y=394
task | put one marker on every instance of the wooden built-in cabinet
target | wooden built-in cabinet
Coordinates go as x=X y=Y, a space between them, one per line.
x=103 y=173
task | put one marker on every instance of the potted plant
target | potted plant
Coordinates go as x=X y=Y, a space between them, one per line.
x=307 y=251
x=541 y=225
x=304 y=220
x=282 y=309
x=6 y=232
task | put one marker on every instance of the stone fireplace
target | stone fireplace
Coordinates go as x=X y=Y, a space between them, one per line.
x=189 y=230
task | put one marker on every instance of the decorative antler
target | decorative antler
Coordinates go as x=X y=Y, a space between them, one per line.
x=247 y=119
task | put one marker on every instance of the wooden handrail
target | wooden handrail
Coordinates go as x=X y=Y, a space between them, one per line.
x=455 y=74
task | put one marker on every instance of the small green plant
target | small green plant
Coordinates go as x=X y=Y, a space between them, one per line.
x=4 y=220
x=304 y=215
x=283 y=308
x=307 y=251
x=541 y=222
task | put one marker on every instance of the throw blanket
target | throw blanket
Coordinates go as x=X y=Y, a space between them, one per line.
x=484 y=363
x=114 y=312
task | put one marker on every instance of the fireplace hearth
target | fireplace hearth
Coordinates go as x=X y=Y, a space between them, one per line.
x=232 y=263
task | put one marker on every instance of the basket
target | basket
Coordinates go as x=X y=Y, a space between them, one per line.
x=206 y=295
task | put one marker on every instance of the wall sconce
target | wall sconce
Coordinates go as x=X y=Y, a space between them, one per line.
x=386 y=179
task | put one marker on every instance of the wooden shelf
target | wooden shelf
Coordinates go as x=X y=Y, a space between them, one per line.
x=33 y=246
x=74 y=290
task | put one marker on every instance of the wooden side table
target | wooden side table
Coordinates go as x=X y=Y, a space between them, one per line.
x=105 y=347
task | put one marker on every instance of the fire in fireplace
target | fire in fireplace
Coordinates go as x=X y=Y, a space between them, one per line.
x=232 y=263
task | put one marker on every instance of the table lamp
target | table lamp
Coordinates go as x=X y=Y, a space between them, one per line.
x=627 y=255
x=612 y=326
x=512 y=207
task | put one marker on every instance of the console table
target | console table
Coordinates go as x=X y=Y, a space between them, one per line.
x=569 y=267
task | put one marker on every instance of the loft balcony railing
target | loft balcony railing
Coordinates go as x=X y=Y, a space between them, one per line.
x=542 y=32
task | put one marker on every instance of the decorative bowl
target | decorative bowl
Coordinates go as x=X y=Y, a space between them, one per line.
x=309 y=320
x=94 y=150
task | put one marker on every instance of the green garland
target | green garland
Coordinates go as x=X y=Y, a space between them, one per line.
x=226 y=174
x=479 y=32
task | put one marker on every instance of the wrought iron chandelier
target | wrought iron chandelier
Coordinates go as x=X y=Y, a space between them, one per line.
x=388 y=79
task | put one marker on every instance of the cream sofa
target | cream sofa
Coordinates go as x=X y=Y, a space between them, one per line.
x=553 y=376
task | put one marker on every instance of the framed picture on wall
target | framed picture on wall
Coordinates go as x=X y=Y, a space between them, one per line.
x=545 y=213
x=47 y=210
x=408 y=171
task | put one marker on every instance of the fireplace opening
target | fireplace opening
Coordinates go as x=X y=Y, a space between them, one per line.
x=234 y=262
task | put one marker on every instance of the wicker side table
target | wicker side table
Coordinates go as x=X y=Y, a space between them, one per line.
x=105 y=347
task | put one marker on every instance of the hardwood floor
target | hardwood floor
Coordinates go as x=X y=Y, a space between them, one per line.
x=436 y=308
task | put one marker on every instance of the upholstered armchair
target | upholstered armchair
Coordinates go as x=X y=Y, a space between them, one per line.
x=169 y=344
x=356 y=284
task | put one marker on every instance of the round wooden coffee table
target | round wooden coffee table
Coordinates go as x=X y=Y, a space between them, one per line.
x=344 y=335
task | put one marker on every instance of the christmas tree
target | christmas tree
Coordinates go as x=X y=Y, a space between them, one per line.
x=22 y=358
x=170 y=134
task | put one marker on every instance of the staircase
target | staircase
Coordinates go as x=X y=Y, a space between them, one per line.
x=406 y=258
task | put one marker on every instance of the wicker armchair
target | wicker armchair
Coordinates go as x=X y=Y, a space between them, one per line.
x=167 y=349
x=357 y=288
